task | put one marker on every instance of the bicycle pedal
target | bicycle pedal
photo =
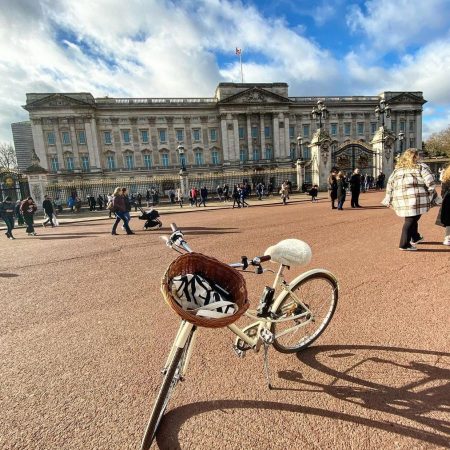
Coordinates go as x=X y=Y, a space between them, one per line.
x=240 y=353
x=267 y=336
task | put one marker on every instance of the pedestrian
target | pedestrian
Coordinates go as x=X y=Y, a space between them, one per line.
x=313 y=193
x=7 y=212
x=410 y=190
x=219 y=192
x=236 y=196
x=71 y=203
x=259 y=190
x=49 y=211
x=355 y=189
x=172 y=196
x=18 y=212
x=243 y=193
x=269 y=189
x=58 y=204
x=127 y=202
x=203 y=196
x=179 y=197
x=284 y=192
x=100 y=202
x=147 y=198
x=341 y=190
x=109 y=201
x=443 y=218
x=139 y=200
x=120 y=211
x=193 y=197
x=28 y=208
x=92 y=203
x=77 y=204
x=332 y=187
x=226 y=192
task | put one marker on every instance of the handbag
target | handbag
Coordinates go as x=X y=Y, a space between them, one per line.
x=55 y=221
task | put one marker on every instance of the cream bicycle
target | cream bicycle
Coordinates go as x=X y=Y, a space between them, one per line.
x=290 y=321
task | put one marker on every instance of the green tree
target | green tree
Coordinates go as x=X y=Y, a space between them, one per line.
x=438 y=144
x=8 y=159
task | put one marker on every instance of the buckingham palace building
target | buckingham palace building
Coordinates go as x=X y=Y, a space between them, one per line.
x=247 y=128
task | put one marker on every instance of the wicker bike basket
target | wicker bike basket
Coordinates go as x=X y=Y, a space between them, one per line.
x=211 y=269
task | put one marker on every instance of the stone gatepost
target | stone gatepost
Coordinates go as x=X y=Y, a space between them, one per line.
x=320 y=158
x=184 y=184
x=383 y=147
x=37 y=180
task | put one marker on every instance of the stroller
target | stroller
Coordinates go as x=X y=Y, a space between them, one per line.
x=151 y=217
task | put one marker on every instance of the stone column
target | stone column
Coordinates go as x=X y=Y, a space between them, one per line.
x=235 y=154
x=287 y=141
x=224 y=133
x=383 y=146
x=418 y=133
x=184 y=184
x=300 y=167
x=249 y=138
x=262 y=136
x=276 y=137
x=320 y=158
x=38 y=182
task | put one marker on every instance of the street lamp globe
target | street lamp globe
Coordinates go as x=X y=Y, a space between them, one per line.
x=180 y=150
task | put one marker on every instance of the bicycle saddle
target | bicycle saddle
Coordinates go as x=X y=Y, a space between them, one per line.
x=290 y=252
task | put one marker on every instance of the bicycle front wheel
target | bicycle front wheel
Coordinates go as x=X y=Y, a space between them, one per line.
x=171 y=378
x=303 y=314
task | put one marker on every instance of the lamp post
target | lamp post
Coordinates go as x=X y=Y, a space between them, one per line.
x=300 y=165
x=299 y=146
x=320 y=113
x=401 y=138
x=183 y=172
x=382 y=110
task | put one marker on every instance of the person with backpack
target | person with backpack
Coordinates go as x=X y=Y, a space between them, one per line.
x=7 y=211
x=49 y=211
x=341 y=190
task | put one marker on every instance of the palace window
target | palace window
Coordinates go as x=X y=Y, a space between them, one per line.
x=198 y=158
x=215 y=157
x=241 y=133
x=412 y=142
x=254 y=132
x=256 y=154
x=268 y=152
x=107 y=137
x=144 y=136
x=111 y=161
x=51 y=139
x=242 y=154
x=334 y=129
x=182 y=159
x=148 y=161
x=360 y=128
x=373 y=127
x=85 y=163
x=65 y=137
x=402 y=125
x=179 y=134
x=82 y=138
x=129 y=163
x=292 y=152
x=54 y=164
x=213 y=134
x=196 y=134
x=394 y=126
x=291 y=132
x=165 y=160
x=411 y=125
x=305 y=130
x=162 y=136
x=69 y=164
x=306 y=152
x=347 y=128
x=126 y=136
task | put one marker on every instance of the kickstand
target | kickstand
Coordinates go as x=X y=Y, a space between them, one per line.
x=266 y=365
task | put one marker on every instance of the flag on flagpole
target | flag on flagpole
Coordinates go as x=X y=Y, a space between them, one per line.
x=238 y=51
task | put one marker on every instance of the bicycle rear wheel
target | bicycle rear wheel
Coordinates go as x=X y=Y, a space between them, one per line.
x=304 y=315
x=171 y=378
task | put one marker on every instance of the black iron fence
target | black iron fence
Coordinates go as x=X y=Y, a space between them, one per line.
x=13 y=184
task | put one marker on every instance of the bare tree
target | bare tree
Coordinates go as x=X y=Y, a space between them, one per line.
x=438 y=144
x=8 y=159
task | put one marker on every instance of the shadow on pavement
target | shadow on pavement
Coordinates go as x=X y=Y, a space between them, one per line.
x=395 y=381
x=8 y=275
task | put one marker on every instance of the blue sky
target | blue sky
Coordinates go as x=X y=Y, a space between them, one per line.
x=162 y=48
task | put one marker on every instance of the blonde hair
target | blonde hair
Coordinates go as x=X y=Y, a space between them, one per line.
x=445 y=177
x=408 y=160
x=117 y=191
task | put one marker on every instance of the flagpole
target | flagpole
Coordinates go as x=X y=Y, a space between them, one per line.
x=242 y=73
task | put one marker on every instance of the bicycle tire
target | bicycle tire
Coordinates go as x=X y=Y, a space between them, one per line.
x=170 y=381
x=313 y=292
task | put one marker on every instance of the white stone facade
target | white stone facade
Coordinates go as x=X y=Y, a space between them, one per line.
x=243 y=127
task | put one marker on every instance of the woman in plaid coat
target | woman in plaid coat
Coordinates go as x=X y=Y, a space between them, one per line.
x=409 y=191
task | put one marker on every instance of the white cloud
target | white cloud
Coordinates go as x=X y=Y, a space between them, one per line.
x=390 y=25
x=157 y=48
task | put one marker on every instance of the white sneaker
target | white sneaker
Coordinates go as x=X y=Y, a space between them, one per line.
x=446 y=242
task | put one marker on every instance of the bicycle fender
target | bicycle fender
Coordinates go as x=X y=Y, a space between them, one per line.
x=296 y=280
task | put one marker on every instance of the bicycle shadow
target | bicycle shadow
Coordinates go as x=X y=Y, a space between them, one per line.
x=425 y=392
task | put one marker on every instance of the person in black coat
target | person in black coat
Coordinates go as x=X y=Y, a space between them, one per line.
x=355 y=188
x=47 y=205
x=341 y=190
x=7 y=211
x=443 y=218
x=332 y=187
